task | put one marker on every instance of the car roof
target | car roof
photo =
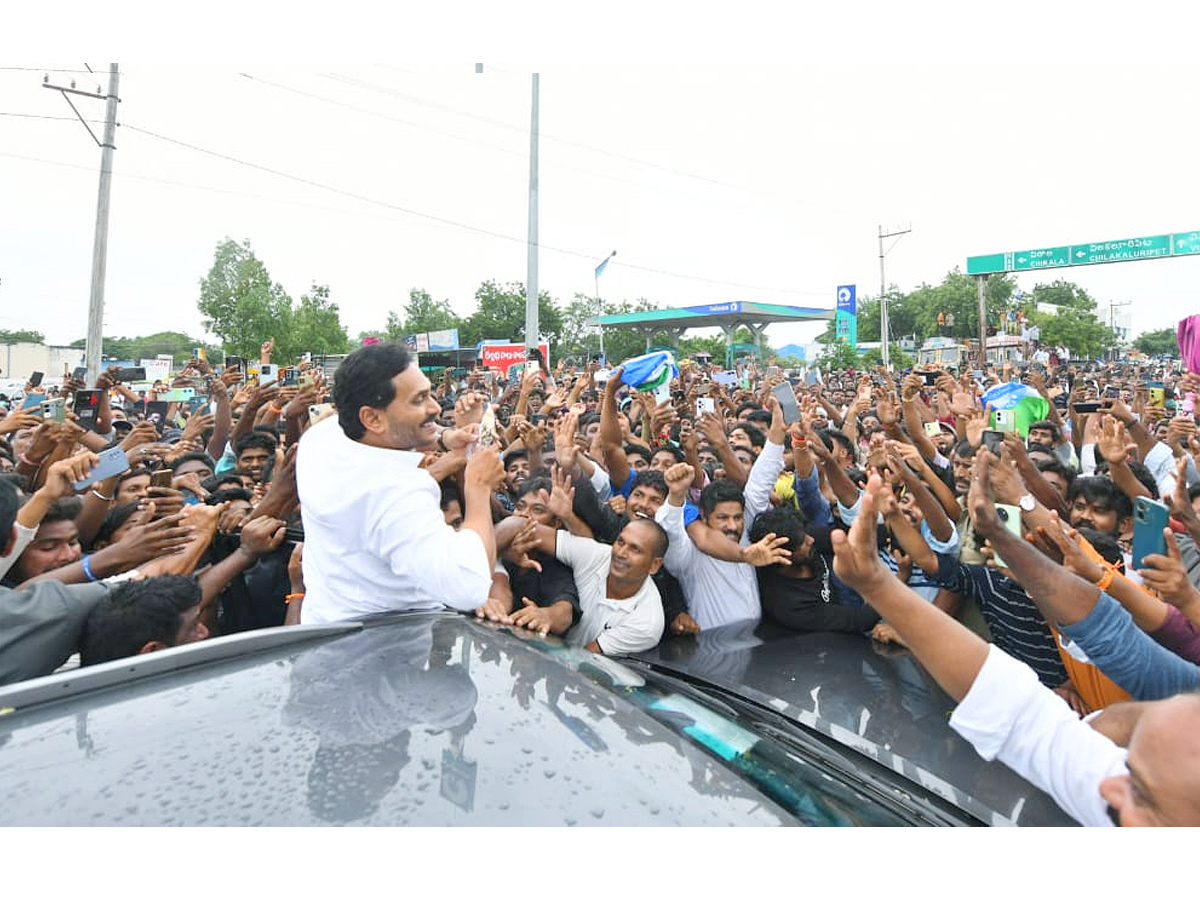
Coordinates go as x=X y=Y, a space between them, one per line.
x=428 y=719
x=874 y=698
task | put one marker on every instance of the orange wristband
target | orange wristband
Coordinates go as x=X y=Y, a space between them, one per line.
x=1107 y=578
x=290 y=597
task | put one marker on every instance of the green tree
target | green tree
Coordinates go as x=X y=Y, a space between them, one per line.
x=316 y=327
x=393 y=330
x=176 y=343
x=874 y=357
x=500 y=315
x=1076 y=329
x=1163 y=342
x=579 y=340
x=21 y=336
x=240 y=303
x=1064 y=294
x=423 y=314
x=838 y=357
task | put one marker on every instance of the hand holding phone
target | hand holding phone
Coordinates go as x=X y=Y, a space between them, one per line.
x=110 y=463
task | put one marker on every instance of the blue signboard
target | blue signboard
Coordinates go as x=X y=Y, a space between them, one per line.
x=846 y=319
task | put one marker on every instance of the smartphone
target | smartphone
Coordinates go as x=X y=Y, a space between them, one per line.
x=35 y=380
x=1087 y=407
x=1005 y=421
x=787 y=402
x=268 y=373
x=705 y=405
x=1111 y=393
x=317 y=411
x=195 y=404
x=162 y=478
x=1155 y=393
x=54 y=410
x=1011 y=517
x=177 y=395
x=993 y=441
x=231 y=361
x=111 y=462
x=930 y=378
x=87 y=408
x=289 y=377
x=33 y=401
x=132 y=373
x=156 y=413
x=80 y=373
x=1149 y=519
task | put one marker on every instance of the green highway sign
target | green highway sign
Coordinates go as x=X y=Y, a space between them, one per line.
x=1184 y=243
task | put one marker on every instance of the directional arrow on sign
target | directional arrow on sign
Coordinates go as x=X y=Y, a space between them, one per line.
x=1080 y=254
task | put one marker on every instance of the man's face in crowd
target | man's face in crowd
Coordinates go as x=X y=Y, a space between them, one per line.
x=535 y=402
x=839 y=397
x=536 y=505
x=198 y=466
x=22 y=440
x=1042 y=437
x=739 y=438
x=644 y=502
x=410 y=420
x=962 y=474
x=744 y=456
x=869 y=422
x=727 y=517
x=708 y=456
x=744 y=415
x=1164 y=767
x=591 y=430
x=633 y=553
x=254 y=460
x=944 y=441
x=1097 y=514
x=191 y=629
x=516 y=471
x=820 y=419
x=912 y=512
x=637 y=462
x=55 y=545
x=453 y=514
x=133 y=488
x=1056 y=481
x=662 y=460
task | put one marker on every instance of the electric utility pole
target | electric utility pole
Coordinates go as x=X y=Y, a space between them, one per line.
x=883 y=314
x=95 y=331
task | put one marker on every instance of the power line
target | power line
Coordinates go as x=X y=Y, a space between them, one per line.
x=51 y=118
x=450 y=222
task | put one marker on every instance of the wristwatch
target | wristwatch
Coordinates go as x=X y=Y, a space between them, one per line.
x=1027 y=503
x=441 y=442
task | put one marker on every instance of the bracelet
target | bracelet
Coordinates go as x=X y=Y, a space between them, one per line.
x=29 y=462
x=290 y=597
x=102 y=497
x=1107 y=578
x=441 y=441
x=86 y=562
x=278 y=410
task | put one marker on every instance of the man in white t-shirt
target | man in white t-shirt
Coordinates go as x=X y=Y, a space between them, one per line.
x=622 y=609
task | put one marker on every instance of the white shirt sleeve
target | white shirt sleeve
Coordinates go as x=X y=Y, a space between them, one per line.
x=24 y=539
x=412 y=527
x=680 y=550
x=640 y=630
x=1008 y=715
x=600 y=481
x=763 y=476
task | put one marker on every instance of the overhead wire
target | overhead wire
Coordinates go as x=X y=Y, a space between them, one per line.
x=451 y=222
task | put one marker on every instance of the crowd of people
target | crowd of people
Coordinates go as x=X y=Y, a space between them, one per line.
x=998 y=545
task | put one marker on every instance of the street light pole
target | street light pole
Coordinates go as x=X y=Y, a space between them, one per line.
x=600 y=306
x=883 y=314
x=531 y=277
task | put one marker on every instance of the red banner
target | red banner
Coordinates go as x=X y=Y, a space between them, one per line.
x=504 y=356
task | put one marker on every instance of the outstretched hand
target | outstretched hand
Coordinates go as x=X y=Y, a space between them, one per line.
x=856 y=554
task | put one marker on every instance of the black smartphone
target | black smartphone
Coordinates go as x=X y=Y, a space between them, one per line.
x=289 y=377
x=930 y=378
x=80 y=373
x=35 y=380
x=130 y=373
x=993 y=441
x=1087 y=407
x=231 y=361
x=87 y=408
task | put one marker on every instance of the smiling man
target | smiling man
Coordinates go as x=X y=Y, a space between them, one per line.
x=376 y=538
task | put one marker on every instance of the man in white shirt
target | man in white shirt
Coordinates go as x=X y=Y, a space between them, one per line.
x=622 y=609
x=1138 y=764
x=375 y=537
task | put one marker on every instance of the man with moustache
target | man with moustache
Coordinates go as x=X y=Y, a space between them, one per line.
x=375 y=536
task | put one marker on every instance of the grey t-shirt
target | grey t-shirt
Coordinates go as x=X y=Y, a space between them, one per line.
x=41 y=626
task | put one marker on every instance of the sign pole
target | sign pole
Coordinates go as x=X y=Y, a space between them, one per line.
x=981 y=290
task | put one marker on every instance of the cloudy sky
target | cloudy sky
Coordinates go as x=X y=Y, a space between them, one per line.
x=713 y=180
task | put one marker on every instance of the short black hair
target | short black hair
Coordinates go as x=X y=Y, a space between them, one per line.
x=653 y=479
x=676 y=452
x=255 y=440
x=365 y=379
x=639 y=450
x=450 y=493
x=237 y=493
x=64 y=509
x=1097 y=487
x=114 y=519
x=196 y=456
x=760 y=415
x=831 y=436
x=214 y=483
x=514 y=455
x=136 y=613
x=1047 y=425
x=535 y=484
x=1058 y=467
x=757 y=438
x=723 y=490
x=782 y=521
x=10 y=503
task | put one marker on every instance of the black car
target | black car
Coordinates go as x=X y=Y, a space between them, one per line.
x=440 y=719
